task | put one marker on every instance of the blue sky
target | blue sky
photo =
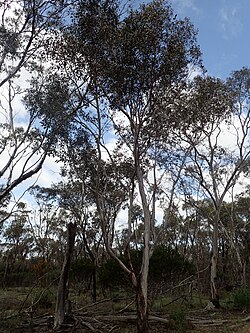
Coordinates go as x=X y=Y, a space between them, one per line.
x=224 y=32
x=224 y=38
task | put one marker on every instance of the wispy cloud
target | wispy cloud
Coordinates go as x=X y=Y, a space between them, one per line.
x=230 y=22
x=182 y=5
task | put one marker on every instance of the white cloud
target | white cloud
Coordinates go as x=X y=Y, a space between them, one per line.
x=182 y=5
x=50 y=173
x=230 y=22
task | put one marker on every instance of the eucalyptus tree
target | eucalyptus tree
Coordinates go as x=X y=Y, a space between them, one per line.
x=215 y=164
x=46 y=225
x=138 y=64
x=240 y=211
x=17 y=237
x=24 y=27
x=78 y=196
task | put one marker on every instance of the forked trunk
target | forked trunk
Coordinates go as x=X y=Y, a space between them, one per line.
x=62 y=292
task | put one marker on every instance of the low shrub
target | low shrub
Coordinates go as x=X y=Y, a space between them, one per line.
x=44 y=299
x=241 y=298
x=178 y=316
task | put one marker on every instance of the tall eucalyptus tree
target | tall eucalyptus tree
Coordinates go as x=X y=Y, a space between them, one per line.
x=137 y=65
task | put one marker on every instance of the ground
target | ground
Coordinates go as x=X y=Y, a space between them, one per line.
x=18 y=316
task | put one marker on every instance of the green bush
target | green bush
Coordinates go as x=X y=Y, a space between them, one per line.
x=241 y=298
x=180 y=322
x=111 y=276
x=44 y=299
x=167 y=264
x=81 y=269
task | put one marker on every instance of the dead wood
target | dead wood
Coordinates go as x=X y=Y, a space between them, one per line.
x=107 y=323
x=129 y=318
x=127 y=306
x=207 y=322
x=93 y=304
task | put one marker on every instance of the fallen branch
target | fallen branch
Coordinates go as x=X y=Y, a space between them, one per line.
x=128 y=318
x=108 y=323
x=94 y=304
x=127 y=306
x=207 y=322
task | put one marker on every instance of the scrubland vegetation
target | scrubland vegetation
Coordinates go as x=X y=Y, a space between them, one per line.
x=148 y=228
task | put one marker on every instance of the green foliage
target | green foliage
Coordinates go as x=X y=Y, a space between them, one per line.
x=180 y=322
x=81 y=267
x=27 y=273
x=44 y=299
x=241 y=298
x=166 y=265
x=81 y=271
x=111 y=275
x=166 y=262
x=16 y=274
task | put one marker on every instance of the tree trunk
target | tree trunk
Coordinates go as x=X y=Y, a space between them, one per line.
x=244 y=280
x=62 y=292
x=142 y=285
x=94 y=284
x=142 y=310
x=214 y=263
x=213 y=280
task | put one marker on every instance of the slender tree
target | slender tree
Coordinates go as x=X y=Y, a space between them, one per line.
x=216 y=166
x=24 y=26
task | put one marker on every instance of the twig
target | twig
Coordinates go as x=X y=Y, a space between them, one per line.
x=176 y=299
x=127 y=306
x=94 y=304
x=33 y=287
x=185 y=281
x=40 y=296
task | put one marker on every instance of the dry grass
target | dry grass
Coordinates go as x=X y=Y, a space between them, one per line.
x=182 y=317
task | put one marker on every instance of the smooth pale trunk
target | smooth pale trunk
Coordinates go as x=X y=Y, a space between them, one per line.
x=214 y=263
x=142 y=286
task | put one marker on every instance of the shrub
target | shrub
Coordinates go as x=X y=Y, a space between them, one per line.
x=167 y=263
x=81 y=269
x=44 y=299
x=180 y=322
x=241 y=298
x=111 y=275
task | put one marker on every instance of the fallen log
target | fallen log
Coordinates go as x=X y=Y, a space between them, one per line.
x=128 y=318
